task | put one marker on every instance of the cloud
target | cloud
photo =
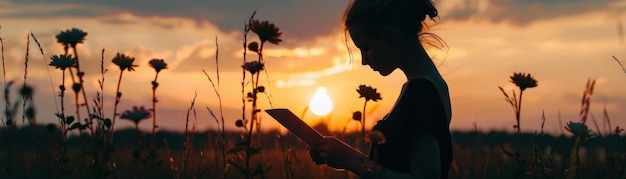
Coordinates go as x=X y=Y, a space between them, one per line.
x=309 y=78
x=299 y=19
x=523 y=12
x=302 y=19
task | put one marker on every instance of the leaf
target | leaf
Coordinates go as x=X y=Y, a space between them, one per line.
x=238 y=167
x=507 y=152
x=254 y=151
x=69 y=119
x=235 y=150
x=107 y=123
x=260 y=89
x=257 y=171
x=60 y=116
x=75 y=126
x=244 y=143
x=94 y=116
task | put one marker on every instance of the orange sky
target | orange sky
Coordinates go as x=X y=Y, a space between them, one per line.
x=561 y=44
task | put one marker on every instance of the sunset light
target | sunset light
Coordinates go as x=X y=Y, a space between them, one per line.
x=186 y=89
x=321 y=104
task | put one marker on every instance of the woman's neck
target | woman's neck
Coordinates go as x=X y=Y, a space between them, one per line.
x=418 y=64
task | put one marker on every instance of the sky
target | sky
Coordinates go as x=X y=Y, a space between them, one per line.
x=562 y=43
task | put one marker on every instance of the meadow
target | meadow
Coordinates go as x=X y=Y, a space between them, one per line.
x=86 y=144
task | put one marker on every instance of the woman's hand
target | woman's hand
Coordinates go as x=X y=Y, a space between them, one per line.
x=335 y=153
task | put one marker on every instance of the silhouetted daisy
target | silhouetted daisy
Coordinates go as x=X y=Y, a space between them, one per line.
x=368 y=93
x=137 y=114
x=124 y=62
x=62 y=61
x=158 y=64
x=253 y=66
x=267 y=31
x=523 y=80
x=71 y=37
x=575 y=127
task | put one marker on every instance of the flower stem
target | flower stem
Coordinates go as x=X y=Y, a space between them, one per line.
x=252 y=121
x=139 y=143
x=82 y=87
x=118 y=95
x=363 y=122
x=77 y=102
x=517 y=116
x=154 y=114
x=62 y=95
x=243 y=92
x=62 y=122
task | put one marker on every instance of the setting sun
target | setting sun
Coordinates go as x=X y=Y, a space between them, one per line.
x=321 y=104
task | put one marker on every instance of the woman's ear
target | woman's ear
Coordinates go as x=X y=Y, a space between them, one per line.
x=387 y=36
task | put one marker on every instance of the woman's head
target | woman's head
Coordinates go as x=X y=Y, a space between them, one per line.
x=406 y=15
x=382 y=28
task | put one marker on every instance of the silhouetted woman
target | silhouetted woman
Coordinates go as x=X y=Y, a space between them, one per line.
x=418 y=143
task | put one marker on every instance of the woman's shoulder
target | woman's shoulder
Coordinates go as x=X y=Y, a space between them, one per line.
x=429 y=90
x=421 y=86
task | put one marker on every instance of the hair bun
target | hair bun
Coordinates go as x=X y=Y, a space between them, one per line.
x=428 y=9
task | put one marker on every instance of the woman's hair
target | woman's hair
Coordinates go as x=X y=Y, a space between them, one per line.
x=407 y=15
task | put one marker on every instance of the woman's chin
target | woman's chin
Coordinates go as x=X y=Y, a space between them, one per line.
x=385 y=72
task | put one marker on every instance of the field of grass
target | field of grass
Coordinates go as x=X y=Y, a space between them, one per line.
x=477 y=155
x=33 y=150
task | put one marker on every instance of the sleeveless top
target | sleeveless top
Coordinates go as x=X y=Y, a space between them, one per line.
x=419 y=107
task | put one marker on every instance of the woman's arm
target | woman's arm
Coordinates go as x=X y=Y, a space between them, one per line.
x=425 y=162
x=424 y=157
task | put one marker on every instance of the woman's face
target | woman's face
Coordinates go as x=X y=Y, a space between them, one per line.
x=375 y=52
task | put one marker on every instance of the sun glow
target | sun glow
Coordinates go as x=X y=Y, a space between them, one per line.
x=321 y=104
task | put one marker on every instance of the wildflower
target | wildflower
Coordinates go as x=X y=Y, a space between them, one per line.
x=523 y=80
x=357 y=116
x=239 y=123
x=253 y=67
x=71 y=37
x=158 y=64
x=617 y=131
x=266 y=31
x=124 y=62
x=575 y=127
x=368 y=93
x=26 y=91
x=136 y=115
x=375 y=137
x=62 y=61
